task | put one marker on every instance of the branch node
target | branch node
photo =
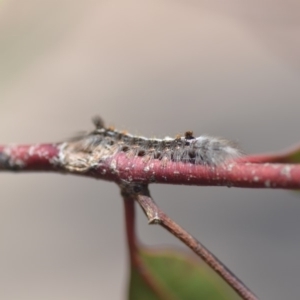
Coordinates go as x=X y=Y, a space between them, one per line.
x=154 y=220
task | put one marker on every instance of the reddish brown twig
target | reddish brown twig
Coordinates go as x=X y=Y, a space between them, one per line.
x=155 y=216
x=283 y=157
x=57 y=158
x=36 y=157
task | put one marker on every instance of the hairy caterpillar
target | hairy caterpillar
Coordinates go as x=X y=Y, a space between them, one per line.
x=103 y=143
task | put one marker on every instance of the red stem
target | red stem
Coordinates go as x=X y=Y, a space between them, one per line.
x=53 y=157
x=136 y=261
x=36 y=157
x=130 y=230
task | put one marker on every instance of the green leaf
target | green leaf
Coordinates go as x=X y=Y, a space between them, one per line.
x=293 y=157
x=179 y=275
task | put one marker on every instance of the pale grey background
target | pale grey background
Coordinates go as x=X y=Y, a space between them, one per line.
x=155 y=68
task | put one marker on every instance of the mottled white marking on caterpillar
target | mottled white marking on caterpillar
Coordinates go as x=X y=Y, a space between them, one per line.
x=104 y=143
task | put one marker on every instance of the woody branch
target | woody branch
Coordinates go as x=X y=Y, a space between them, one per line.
x=251 y=172
x=140 y=193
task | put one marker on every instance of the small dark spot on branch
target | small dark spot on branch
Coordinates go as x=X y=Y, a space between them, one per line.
x=137 y=188
x=7 y=164
x=4 y=161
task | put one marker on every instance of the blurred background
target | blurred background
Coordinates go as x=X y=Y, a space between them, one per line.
x=155 y=68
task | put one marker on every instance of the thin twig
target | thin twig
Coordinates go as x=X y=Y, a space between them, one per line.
x=134 y=251
x=64 y=158
x=281 y=157
x=156 y=216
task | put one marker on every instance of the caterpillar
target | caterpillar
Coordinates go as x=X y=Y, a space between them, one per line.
x=103 y=143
